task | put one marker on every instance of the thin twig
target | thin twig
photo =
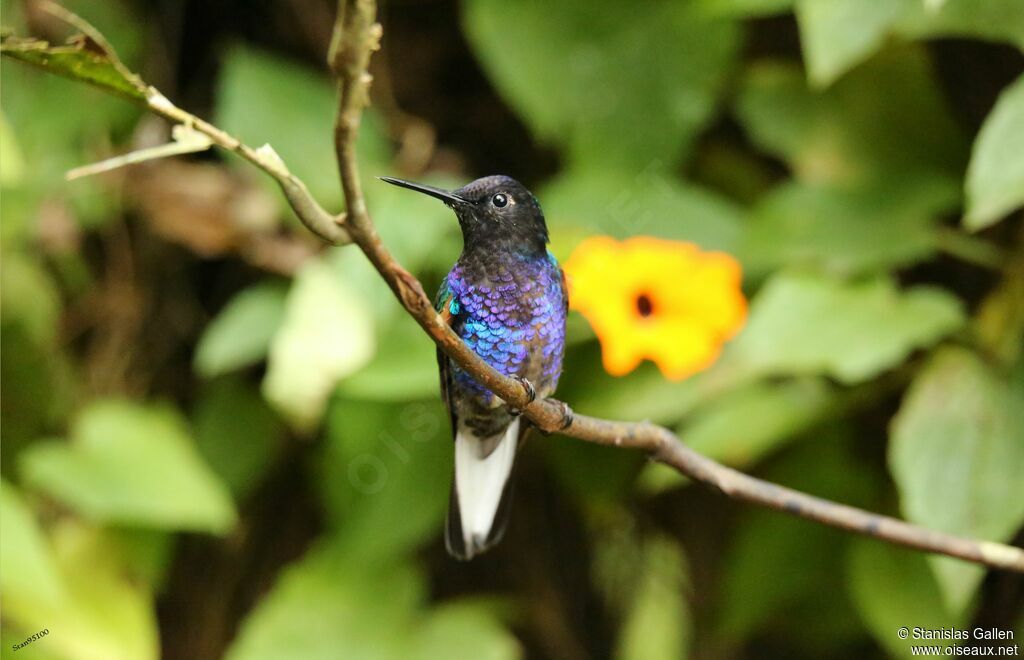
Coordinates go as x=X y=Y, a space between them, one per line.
x=328 y=227
x=970 y=248
x=356 y=36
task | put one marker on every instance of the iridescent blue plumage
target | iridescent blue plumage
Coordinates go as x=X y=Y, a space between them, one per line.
x=506 y=298
x=513 y=317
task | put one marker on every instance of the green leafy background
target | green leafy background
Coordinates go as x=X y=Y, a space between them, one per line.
x=222 y=440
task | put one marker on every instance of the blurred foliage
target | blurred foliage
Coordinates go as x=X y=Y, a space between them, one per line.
x=305 y=359
x=133 y=465
x=579 y=77
x=962 y=422
x=327 y=603
x=782 y=572
x=849 y=330
x=995 y=179
x=240 y=452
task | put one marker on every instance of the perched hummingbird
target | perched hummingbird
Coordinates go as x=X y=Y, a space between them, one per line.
x=506 y=298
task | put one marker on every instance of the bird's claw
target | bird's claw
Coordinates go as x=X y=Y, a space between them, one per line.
x=531 y=394
x=567 y=416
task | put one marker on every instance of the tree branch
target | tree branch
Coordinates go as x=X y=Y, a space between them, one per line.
x=328 y=227
x=356 y=37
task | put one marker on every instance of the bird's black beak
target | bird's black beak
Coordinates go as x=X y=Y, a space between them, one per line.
x=443 y=195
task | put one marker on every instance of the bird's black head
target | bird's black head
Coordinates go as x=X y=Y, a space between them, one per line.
x=496 y=213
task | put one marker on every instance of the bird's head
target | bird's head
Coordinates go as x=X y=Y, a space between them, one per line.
x=495 y=212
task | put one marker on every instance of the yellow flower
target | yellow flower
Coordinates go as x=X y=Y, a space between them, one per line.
x=652 y=298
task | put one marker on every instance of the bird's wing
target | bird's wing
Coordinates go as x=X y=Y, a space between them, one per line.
x=477 y=521
x=449 y=314
x=565 y=291
x=564 y=283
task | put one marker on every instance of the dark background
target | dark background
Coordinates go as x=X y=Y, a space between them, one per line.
x=598 y=547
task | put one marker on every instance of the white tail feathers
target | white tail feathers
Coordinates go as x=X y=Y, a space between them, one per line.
x=481 y=472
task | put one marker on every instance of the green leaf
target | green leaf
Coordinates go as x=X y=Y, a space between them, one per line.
x=404 y=367
x=262 y=98
x=645 y=393
x=131 y=464
x=893 y=588
x=991 y=20
x=844 y=231
x=386 y=474
x=608 y=201
x=327 y=334
x=886 y=121
x=28 y=570
x=326 y=606
x=102 y=612
x=12 y=161
x=463 y=630
x=839 y=34
x=582 y=79
x=331 y=605
x=658 y=623
x=995 y=176
x=836 y=34
x=54 y=141
x=77 y=62
x=237 y=433
x=957 y=455
x=241 y=333
x=802 y=323
x=746 y=424
x=30 y=297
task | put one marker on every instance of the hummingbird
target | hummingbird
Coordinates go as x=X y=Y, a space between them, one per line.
x=506 y=298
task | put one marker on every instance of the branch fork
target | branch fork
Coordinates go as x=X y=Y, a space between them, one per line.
x=357 y=35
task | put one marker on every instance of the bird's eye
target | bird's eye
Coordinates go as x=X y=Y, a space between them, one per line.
x=500 y=200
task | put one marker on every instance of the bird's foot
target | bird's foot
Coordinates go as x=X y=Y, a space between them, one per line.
x=531 y=394
x=567 y=416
